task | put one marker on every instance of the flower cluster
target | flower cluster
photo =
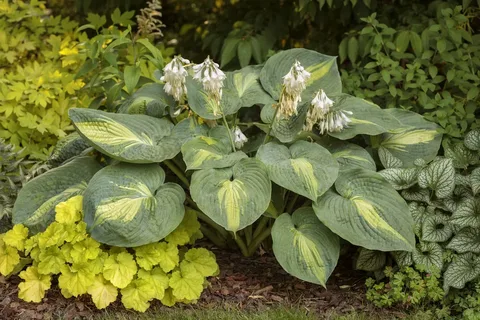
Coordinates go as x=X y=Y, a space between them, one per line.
x=210 y=75
x=334 y=121
x=148 y=20
x=174 y=78
x=319 y=108
x=294 y=82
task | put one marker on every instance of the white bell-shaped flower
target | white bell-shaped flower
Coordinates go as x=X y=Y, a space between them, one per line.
x=174 y=75
x=335 y=121
x=294 y=82
x=239 y=138
x=319 y=108
x=210 y=75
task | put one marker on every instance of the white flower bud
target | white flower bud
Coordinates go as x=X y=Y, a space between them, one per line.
x=319 y=108
x=239 y=138
x=174 y=78
x=335 y=121
x=210 y=75
x=294 y=82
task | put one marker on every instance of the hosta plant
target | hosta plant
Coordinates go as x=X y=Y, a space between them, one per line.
x=166 y=270
x=275 y=150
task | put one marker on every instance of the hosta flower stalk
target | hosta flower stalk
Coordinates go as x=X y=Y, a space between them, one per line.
x=294 y=82
x=174 y=78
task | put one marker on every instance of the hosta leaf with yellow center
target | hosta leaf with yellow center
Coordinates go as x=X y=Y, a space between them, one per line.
x=233 y=197
x=159 y=253
x=33 y=288
x=129 y=205
x=365 y=210
x=9 y=258
x=119 y=269
x=157 y=278
x=247 y=84
x=304 y=247
x=103 y=293
x=76 y=279
x=305 y=168
x=36 y=201
x=419 y=140
x=202 y=260
x=70 y=211
x=137 y=295
x=16 y=237
x=186 y=283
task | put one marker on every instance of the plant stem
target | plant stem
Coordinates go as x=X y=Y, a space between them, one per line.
x=267 y=137
x=257 y=241
x=241 y=244
x=291 y=204
x=202 y=216
x=212 y=236
x=248 y=234
x=229 y=132
x=177 y=172
x=261 y=226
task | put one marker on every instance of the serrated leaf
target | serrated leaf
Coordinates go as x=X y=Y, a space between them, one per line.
x=370 y=260
x=76 y=278
x=119 y=269
x=467 y=213
x=159 y=253
x=387 y=159
x=158 y=279
x=103 y=293
x=436 y=229
x=9 y=258
x=400 y=178
x=466 y=240
x=186 y=283
x=34 y=286
x=463 y=269
x=137 y=295
x=472 y=140
x=429 y=255
x=439 y=176
x=16 y=237
x=202 y=260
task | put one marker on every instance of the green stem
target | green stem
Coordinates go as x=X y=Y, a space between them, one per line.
x=212 y=224
x=177 y=172
x=191 y=202
x=229 y=132
x=241 y=244
x=248 y=234
x=261 y=226
x=267 y=137
x=212 y=236
x=258 y=241
x=291 y=204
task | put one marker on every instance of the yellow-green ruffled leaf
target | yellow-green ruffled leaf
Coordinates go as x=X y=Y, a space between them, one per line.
x=365 y=210
x=159 y=253
x=33 y=288
x=157 y=278
x=186 y=283
x=16 y=237
x=119 y=269
x=85 y=250
x=304 y=247
x=169 y=299
x=9 y=258
x=50 y=261
x=76 y=279
x=70 y=211
x=103 y=293
x=137 y=295
x=202 y=260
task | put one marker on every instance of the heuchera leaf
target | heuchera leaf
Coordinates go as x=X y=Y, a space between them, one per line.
x=70 y=211
x=34 y=286
x=202 y=260
x=137 y=295
x=119 y=269
x=76 y=279
x=103 y=293
x=186 y=283
x=157 y=278
x=16 y=237
x=9 y=258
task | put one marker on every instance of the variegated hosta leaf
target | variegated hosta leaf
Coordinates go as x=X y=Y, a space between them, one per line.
x=247 y=84
x=400 y=178
x=233 y=197
x=439 y=176
x=304 y=247
x=436 y=228
x=203 y=104
x=429 y=255
x=366 y=211
x=370 y=260
x=463 y=269
x=416 y=194
x=475 y=181
x=305 y=168
x=285 y=130
x=151 y=99
x=388 y=159
x=461 y=156
x=36 y=201
x=131 y=138
x=367 y=118
x=67 y=148
x=403 y=258
x=323 y=72
x=129 y=205
x=467 y=213
x=466 y=240
x=420 y=141
x=472 y=140
x=209 y=152
x=350 y=156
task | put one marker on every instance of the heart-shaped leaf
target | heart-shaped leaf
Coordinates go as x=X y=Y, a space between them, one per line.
x=36 y=201
x=128 y=205
x=233 y=197
x=466 y=240
x=400 y=178
x=350 y=156
x=366 y=211
x=305 y=168
x=467 y=213
x=439 y=176
x=475 y=181
x=370 y=260
x=428 y=255
x=464 y=268
x=150 y=99
x=247 y=84
x=472 y=140
x=436 y=228
x=304 y=247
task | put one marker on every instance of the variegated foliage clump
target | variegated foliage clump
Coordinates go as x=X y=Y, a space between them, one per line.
x=269 y=150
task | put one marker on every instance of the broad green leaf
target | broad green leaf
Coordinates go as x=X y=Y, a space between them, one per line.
x=323 y=72
x=350 y=156
x=36 y=201
x=461 y=156
x=472 y=140
x=419 y=140
x=233 y=197
x=388 y=160
x=403 y=258
x=304 y=168
x=429 y=255
x=131 y=76
x=129 y=138
x=367 y=118
x=150 y=99
x=129 y=205
x=285 y=130
x=463 y=269
x=370 y=260
x=67 y=148
x=475 y=181
x=244 y=52
x=207 y=152
x=466 y=240
x=439 y=176
x=436 y=229
x=247 y=85
x=400 y=178
x=467 y=213
x=365 y=210
x=304 y=247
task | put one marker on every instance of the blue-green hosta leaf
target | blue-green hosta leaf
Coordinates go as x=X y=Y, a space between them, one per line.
x=285 y=130
x=209 y=152
x=36 y=201
x=475 y=181
x=387 y=159
x=439 y=176
x=233 y=197
x=131 y=138
x=350 y=156
x=367 y=118
x=472 y=140
x=305 y=168
x=247 y=84
x=304 y=247
x=150 y=99
x=463 y=269
x=436 y=228
x=70 y=146
x=429 y=255
x=366 y=211
x=370 y=260
x=466 y=240
x=204 y=106
x=461 y=156
x=323 y=72
x=400 y=178
x=467 y=213
x=420 y=139
x=129 y=205
x=403 y=258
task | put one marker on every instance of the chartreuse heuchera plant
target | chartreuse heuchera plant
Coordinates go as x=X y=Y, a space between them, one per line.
x=275 y=149
x=81 y=265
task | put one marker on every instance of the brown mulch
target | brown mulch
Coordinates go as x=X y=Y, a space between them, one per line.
x=252 y=284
